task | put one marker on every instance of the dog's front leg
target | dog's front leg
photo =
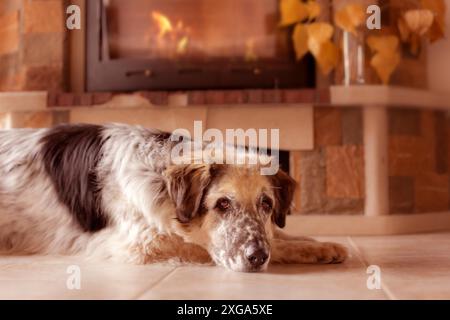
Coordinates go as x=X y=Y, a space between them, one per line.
x=144 y=247
x=172 y=248
x=301 y=251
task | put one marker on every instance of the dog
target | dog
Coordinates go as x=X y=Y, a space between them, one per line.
x=113 y=192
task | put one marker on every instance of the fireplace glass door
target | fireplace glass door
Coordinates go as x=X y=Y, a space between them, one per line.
x=191 y=44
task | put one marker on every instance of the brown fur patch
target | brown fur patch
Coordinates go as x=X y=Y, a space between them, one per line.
x=284 y=188
x=187 y=185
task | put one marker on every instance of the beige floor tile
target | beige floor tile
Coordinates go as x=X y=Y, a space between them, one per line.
x=46 y=278
x=344 y=281
x=412 y=266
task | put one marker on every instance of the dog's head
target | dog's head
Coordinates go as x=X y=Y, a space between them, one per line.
x=229 y=210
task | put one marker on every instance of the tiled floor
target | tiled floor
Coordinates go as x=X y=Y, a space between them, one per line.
x=412 y=267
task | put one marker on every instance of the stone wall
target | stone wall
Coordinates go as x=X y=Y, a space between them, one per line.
x=418 y=161
x=331 y=177
x=32 y=45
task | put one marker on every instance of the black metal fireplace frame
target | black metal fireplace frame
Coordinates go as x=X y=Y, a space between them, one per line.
x=106 y=74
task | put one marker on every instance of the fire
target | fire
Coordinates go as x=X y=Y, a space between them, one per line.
x=163 y=22
x=171 y=37
x=182 y=45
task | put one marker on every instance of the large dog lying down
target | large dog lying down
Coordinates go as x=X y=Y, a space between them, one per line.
x=113 y=192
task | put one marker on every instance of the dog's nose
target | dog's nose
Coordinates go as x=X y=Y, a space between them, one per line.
x=256 y=256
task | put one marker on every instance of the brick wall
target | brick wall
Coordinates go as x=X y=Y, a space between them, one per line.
x=331 y=177
x=32 y=45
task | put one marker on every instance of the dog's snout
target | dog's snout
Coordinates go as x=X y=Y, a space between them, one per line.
x=257 y=256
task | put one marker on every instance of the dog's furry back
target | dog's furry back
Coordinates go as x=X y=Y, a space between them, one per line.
x=61 y=187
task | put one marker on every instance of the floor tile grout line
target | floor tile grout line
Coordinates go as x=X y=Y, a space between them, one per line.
x=359 y=254
x=167 y=275
x=363 y=259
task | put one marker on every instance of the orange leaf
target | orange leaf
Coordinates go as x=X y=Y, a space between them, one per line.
x=439 y=8
x=385 y=64
x=314 y=9
x=327 y=56
x=350 y=17
x=437 y=31
x=318 y=33
x=319 y=43
x=419 y=21
x=300 y=39
x=292 y=11
x=386 y=58
x=383 y=43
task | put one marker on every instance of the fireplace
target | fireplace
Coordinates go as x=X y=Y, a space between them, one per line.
x=190 y=44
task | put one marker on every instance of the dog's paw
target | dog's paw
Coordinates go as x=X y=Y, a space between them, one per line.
x=329 y=252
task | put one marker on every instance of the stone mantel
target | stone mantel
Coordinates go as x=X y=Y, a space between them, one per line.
x=388 y=96
x=334 y=96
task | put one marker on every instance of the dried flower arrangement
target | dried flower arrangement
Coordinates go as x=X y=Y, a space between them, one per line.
x=419 y=20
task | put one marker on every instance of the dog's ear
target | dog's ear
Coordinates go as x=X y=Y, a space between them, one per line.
x=284 y=187
x=186 y=185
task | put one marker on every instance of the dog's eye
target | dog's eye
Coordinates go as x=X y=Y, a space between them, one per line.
x=266 y=204
x=223 y=204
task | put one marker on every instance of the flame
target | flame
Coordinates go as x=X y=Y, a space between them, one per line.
x=182 y=45
x=171 y=38
x=163 y=22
